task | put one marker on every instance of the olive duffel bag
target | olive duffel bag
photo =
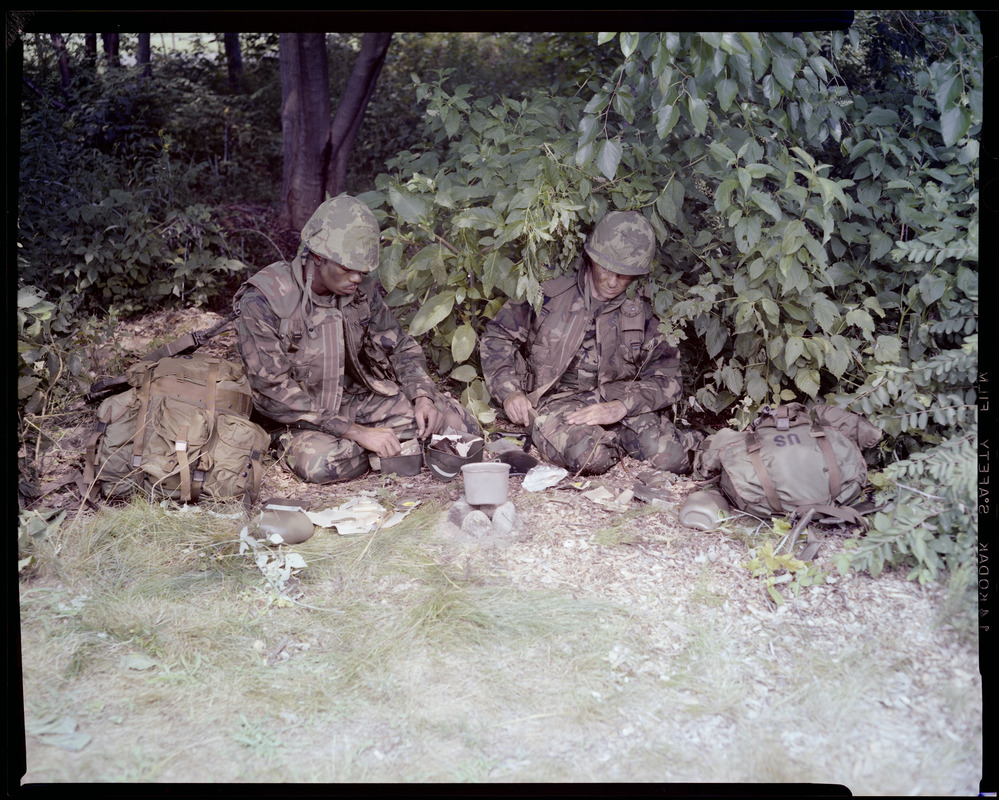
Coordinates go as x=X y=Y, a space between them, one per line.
x=790 y=459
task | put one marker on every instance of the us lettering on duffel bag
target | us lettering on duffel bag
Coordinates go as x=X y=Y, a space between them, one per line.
x=182 y=431
x=792 y=458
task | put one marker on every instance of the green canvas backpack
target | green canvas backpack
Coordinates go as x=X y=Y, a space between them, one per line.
x=791 y=459
x=182 y=431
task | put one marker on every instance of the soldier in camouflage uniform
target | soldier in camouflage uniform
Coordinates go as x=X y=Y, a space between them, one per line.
x=330 y=367
x=590 y=375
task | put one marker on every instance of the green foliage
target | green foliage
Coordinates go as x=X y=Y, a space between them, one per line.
x=39 y=365
x=929 y=530
x=116 y=188
x=818 y=225
x=775 y=569
x=509 y=64
x=58 y=358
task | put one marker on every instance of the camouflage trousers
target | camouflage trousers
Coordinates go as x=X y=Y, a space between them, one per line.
x=594 y=449
x=319 y=457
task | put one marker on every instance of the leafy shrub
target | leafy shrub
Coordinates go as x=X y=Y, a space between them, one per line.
x=104 y=211
x=480 y=225
x=818 y=236
x=511 y=64
x=53 y=369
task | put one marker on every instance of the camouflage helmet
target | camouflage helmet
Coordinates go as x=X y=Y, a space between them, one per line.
x=622 y=242
x=344 y=229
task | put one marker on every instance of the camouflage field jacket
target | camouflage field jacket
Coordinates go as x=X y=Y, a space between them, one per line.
x=302 y=352
x=525 y=351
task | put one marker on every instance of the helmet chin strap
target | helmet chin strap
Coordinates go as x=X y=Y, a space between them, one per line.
x=307 y=305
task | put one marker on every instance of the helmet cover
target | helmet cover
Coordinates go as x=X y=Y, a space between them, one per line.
x=622 y=242
x=344 y=229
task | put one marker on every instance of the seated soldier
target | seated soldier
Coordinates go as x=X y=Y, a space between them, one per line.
x=329 y=366
x=590 y=375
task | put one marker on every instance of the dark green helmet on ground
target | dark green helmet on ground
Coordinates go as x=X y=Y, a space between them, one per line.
x=623 y=242
x=344 y=229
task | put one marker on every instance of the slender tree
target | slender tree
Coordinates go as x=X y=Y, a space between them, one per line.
x=111 y=49
x=90 y=49
x=234 y=59
x=143 y=56
x=65 y=74
x=305 y=124
x=350 y=112
x=316 y=148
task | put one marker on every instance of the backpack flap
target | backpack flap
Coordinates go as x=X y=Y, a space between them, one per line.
x=177 y=435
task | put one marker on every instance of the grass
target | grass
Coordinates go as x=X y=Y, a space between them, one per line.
x=622 y=529
x=404 y=658
x=383 y=618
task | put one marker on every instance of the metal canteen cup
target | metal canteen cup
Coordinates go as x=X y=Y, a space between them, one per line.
x=704 y=510
x=284 y=524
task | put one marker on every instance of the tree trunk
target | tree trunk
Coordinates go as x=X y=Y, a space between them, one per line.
x=234 y=59
x=90 y=48
x=350 y=111
x=111 y=49
x=63 y=57
x=143 y=56
x=305 y=124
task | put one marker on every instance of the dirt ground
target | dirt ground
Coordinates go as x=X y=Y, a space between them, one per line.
x=913 y=725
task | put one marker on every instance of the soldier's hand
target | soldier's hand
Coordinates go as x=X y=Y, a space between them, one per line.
x=380 y=441
x=518 y=409
x=428 y=418
x=598 y=414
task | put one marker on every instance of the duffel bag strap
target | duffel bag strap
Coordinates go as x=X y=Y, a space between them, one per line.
x=843 y=513
x=211 y=386
x=782 y=418
x=753 y=445
x=812 y=545
x=104 y=387
x=815 y=537
x=835 y=478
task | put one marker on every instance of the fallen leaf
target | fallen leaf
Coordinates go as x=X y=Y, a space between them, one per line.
x=137 y=661
x=58 y=732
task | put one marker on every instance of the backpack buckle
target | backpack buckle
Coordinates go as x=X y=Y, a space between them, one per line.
x=782 y=420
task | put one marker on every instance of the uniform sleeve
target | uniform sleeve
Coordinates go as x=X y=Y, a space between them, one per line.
x=276 y=393
x=500 y=350
x=658 y=384
x=408 y=361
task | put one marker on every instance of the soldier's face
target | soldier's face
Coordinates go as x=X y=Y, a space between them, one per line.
x=333 y=278
x=606 y=285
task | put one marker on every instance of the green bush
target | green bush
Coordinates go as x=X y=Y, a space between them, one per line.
x=490 y=64
x=123 y=188
x=818 y=226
